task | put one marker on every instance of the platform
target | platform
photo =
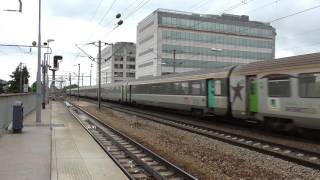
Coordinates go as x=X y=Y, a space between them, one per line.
x=58 y=148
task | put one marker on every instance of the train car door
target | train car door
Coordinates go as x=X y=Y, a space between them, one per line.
x=210 y=93
x=252 y=94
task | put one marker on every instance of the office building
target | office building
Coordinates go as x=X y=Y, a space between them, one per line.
x=173 y=41
x=118 y=62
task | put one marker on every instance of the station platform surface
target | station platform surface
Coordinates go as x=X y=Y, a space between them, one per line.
x=58 y=148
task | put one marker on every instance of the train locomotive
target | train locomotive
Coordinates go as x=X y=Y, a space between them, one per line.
x=282 y=93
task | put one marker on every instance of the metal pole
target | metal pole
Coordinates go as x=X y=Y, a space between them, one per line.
x=174 y=61
x=38 y=113
x=90 y=73
x=44 y=81
x=106 y=77
x=78 y=81
x=70 y=84
x=20 y=67
x=82 y=79
x=99 y=71
x=53 y=81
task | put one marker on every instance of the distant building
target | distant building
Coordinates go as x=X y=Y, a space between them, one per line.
x=199 y=41
x=118 y=62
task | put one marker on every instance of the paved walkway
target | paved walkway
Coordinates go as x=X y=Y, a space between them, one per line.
x=75 y=154
x=66 y=151
x=27 y=155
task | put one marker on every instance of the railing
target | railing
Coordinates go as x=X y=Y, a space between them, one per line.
x=6 y=106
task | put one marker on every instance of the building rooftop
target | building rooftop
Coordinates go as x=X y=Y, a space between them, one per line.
x=244 y=19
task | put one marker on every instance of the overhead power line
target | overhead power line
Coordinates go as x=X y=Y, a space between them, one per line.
x=235 y=6
x=101 y=20
x=296 y=13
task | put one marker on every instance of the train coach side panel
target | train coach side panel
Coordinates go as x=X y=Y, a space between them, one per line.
x=183 y=102
x=238 y=96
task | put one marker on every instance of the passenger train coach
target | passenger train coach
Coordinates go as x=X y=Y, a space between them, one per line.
x=282 y=93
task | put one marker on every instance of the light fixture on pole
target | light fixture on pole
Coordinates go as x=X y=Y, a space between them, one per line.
x=45 y=78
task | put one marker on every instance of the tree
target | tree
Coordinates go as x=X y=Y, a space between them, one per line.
x=21 y=73
x=34 y=87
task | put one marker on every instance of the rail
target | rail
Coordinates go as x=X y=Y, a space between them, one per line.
x=135 y=160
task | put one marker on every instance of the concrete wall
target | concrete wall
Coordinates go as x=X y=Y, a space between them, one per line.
x=6 y=107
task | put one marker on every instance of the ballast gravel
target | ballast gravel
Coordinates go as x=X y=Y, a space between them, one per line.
x=202 y=157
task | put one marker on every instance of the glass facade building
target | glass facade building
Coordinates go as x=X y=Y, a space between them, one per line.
x=172 y=41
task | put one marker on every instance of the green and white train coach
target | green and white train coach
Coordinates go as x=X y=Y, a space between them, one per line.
x=282 y=93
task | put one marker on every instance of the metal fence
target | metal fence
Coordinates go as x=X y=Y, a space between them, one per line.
x=6 y=107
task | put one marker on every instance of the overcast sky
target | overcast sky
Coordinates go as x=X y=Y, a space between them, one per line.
x=82 y=21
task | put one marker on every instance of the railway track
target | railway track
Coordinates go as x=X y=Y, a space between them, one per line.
x=135 y=160
x=292 y=154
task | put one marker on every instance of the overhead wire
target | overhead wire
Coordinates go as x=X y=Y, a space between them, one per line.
x=197 y=5
x=130 y=15
x=100 y=21
x=235 y=6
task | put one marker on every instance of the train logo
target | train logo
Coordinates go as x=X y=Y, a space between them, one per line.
x=237 y=92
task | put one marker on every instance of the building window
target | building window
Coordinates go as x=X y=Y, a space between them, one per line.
x=118 y=58
x=130 y=66
x=279 y=87
x=130 y=74
x=131 y=59
x=309 y=85
x=118 y=66
x=118 y=74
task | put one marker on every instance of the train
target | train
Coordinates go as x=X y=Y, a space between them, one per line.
x=282 y=93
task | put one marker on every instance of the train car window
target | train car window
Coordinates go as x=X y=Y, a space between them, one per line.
x=217 y=87
x=195 y=88
x=185 y=88
x=309 y=85
x=176 y=88
x=279 y=87
x=156 y=89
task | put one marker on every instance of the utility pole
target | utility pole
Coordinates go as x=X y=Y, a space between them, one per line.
x=106 y=77
x=174 y=61
x=21 y=88
x=78 y=81
x=99 y=60
x=99 y=71
x=90 y=73
x=38 y=112
x=82 y=79
x=44 y=81
x=70 y=85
